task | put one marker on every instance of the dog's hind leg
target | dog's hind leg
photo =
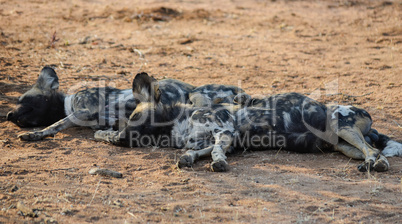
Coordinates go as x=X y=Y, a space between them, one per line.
x=78 y=118
x=351 y=124
x=349 y=150
x=354 y=153
x=373 y=158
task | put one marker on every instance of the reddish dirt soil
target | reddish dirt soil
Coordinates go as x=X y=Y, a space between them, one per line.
x=343 y=51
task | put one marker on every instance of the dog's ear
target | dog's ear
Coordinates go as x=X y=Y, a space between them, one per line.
x=47 y=80
x=146 y=87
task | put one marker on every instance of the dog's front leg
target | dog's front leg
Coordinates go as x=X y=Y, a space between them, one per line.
x=223 y=141
x=188 y=158
x=78 y=118
x=108 y=136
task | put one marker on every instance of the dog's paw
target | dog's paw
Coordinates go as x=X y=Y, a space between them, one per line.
x=220 y=166
x=366 y=166
x=381 y=165
x=31 y=136
x=107 y=136
x=99 y=135
x=185 y=161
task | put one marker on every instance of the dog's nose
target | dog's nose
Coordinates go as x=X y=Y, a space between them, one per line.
x=10 y=116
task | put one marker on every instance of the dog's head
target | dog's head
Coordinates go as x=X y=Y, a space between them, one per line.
x=37 y=106
x=242 y=99
x=146 y=88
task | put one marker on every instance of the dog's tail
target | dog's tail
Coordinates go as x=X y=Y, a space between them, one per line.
x=389 y=147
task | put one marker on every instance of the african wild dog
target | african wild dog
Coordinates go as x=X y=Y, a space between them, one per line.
x=310 y=126
x=98 y=108
x=204 y=127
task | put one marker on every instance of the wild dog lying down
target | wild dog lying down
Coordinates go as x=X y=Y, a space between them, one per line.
x=305 y=125
x=289 y=121
x=205 y=128
x=98 y=108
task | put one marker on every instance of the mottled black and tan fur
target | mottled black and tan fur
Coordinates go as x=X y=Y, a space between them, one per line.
x=98 y=108
x=201 y=128
x=305 y=125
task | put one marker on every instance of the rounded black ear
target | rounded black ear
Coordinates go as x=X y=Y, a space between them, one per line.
x=47 y=79
x=146 y=86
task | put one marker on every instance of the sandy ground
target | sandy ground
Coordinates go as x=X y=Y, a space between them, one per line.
x=343 y=51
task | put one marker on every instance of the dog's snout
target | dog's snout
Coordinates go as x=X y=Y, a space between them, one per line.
x=10 y=116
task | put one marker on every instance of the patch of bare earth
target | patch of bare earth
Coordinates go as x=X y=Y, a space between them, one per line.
x=342 y=51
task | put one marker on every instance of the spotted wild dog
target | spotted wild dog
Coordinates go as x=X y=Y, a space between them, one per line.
x=205 y=128
x=98 y=108
x=306 y=125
